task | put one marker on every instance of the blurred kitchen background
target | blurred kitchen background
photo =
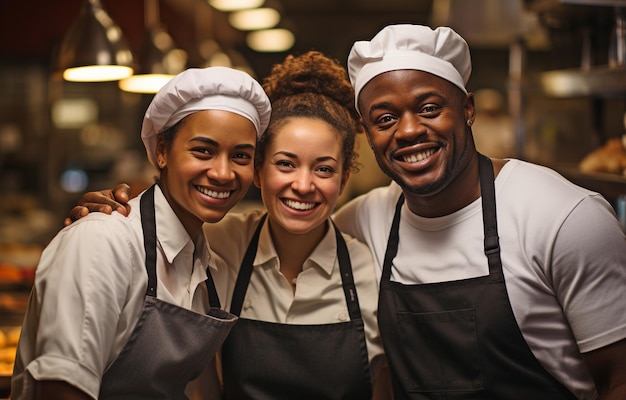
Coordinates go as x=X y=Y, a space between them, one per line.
x=549 y=78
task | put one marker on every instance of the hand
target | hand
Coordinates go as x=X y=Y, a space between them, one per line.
x=102 y=201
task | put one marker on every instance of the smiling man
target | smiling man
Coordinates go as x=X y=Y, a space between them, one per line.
x=499 y=279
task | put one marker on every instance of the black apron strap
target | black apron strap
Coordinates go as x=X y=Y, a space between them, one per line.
x=148 y=222
x=214 y=300
x=243 y=278
x=392 y=242
x=490 y=225
x=347 y=279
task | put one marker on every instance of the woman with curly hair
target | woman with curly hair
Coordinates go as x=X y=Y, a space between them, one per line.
x=306 y=294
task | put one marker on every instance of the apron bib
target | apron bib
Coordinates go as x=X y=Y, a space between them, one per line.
x=274 y=361
x=459 y=339
x=169 y=345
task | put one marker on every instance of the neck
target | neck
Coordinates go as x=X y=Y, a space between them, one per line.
x=294 y=249
x=458 y=193
x=462 y=191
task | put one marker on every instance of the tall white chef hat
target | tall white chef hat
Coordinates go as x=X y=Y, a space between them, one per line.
x=440 y=51
x=199 y=89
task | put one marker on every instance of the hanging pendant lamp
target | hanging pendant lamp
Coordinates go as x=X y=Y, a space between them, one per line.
x=94 y=49
x=159 y=61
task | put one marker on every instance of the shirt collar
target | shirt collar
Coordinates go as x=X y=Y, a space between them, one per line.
x=170 y=231
x=324 y=255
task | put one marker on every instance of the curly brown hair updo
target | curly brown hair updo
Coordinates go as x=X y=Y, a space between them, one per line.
x=312 y=85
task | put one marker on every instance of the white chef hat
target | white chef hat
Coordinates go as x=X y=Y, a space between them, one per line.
x=441 y=52
x=199 y=89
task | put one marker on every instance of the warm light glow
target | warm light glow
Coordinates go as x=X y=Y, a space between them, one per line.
x=146 y=83
x=270 y=40
x=258 y=18
x=74 y=113
x=97 y=73
x=563 y=84
x=233 y=5
x=219 y=59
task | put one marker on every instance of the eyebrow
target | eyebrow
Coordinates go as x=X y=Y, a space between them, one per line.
x=292 y=155
x=212 y=142
x=422 y=97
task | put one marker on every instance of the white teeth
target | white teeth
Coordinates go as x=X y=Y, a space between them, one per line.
x=419 y=156
x=213 y=193
x=299 y=205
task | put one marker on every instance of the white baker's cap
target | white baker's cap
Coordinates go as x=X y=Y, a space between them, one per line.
x=199 y=89
x=441 y=52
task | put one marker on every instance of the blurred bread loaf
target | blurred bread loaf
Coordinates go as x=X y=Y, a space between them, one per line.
x=609 y=158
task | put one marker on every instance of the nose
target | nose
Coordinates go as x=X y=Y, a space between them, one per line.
x=409 y=127
x=303 y=182
x=221 y=170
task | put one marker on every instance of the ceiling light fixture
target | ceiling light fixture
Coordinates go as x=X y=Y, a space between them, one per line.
x=270 y=40
x=94 y=49
x=234 y=5
x=159 y=61
x=254 y=19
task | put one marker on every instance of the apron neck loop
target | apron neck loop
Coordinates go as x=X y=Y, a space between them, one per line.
x=347 y=279
x=148 y=222
x=490 y=226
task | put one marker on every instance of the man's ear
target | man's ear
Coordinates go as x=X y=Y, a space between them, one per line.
x=469 y=107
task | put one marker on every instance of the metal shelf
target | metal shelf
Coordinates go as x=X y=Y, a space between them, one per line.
x=600 y=81
x=548 y=5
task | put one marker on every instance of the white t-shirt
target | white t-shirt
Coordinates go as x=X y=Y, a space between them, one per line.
x=89 y=292
x=319 y=297
x=563 y=255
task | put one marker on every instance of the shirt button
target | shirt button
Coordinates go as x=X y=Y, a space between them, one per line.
x=247 y=304
x=342 y=316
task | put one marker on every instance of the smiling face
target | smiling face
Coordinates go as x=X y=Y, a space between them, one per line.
x=208 y=166
x=301 y=176
x=416 y=125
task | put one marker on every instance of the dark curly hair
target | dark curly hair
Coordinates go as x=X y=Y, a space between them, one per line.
x=312 y=85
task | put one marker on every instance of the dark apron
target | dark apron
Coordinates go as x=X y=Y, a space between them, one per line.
x=459 y=339
x=169 y=345
x=273 y=361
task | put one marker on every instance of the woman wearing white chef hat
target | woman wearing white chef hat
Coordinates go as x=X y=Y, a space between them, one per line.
x=120 y=306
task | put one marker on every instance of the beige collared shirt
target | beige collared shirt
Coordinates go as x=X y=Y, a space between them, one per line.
x=319 y=296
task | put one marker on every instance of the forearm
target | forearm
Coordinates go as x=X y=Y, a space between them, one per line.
x=607 y=366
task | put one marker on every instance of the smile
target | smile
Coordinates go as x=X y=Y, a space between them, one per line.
x=214 y=193
x=299 y=205
x=420 y=156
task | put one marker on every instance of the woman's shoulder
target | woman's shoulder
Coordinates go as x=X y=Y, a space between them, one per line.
x=235 y=223
x=102 y=226
x=229 y=237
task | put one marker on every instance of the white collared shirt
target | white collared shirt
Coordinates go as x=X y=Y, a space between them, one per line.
x=89 y=291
